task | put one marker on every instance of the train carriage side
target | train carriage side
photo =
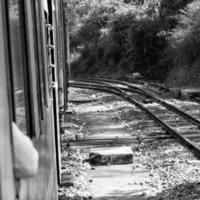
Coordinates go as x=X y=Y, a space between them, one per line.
x=30 y=61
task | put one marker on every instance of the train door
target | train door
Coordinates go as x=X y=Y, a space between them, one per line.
x=55 y=74
x=52 y=61
x=7 y=181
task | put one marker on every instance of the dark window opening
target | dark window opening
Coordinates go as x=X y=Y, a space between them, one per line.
x=18 y=64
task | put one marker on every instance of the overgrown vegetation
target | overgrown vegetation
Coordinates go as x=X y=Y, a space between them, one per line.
x=184 y=45
x=116 y=38
x=185 y=38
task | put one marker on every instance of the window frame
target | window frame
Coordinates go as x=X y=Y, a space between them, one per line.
x=24 y=63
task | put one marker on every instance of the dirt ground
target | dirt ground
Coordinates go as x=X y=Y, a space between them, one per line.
x=162 y=169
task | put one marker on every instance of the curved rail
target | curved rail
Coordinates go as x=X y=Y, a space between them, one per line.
x=135 y=89
x=119 y=92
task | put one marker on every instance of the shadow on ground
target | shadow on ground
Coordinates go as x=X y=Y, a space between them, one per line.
x=187 y=191
x=118 y=195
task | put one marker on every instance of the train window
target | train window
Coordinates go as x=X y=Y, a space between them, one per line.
x=18 y=64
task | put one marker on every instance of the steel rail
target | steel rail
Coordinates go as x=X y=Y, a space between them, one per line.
x=138 y=90
x=125 y=96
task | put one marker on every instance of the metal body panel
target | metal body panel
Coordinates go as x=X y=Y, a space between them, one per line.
x=44 y=185
x=55 y=89
x=7 y=183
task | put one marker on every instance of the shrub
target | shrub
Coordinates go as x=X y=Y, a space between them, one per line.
x=124 y=38
x=185 y=38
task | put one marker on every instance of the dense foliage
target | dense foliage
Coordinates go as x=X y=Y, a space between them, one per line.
x=185 y=38
x=116 y=38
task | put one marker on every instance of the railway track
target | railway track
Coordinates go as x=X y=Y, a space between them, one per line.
x=133 y=88
x=176 y=122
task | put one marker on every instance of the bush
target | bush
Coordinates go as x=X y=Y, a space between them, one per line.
x=122 y=38
x=185 y=38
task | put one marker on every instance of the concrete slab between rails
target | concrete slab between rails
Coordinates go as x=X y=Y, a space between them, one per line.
x=184 y=93
x=111 y=155
x=119 y=182
x=188 y=93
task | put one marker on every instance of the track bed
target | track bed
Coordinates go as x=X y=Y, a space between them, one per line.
x=162 y=168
